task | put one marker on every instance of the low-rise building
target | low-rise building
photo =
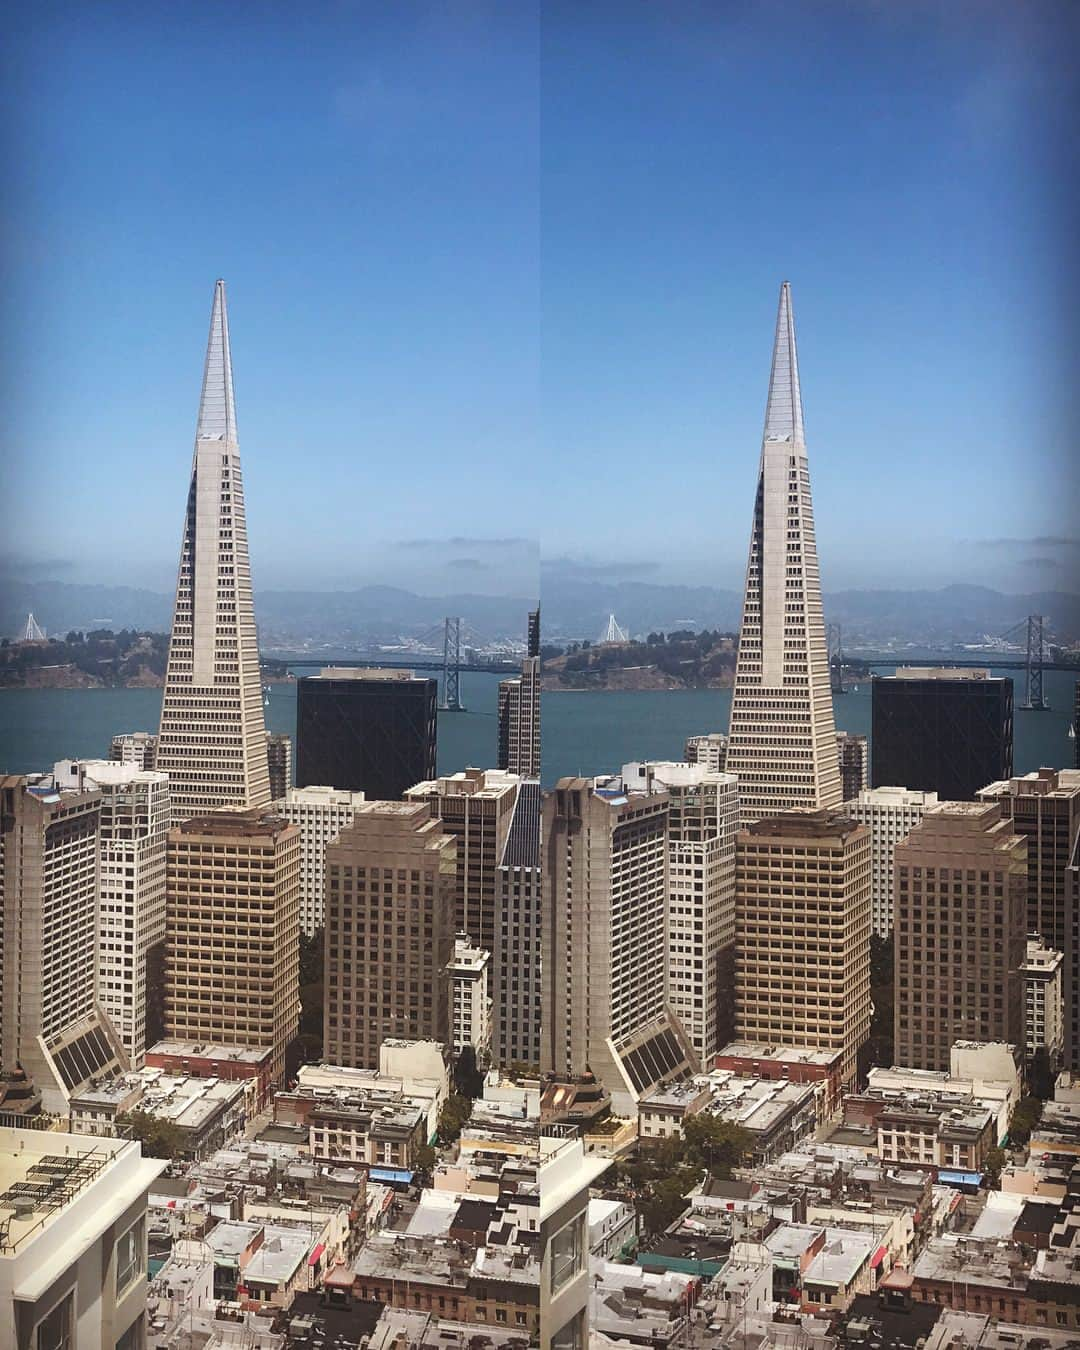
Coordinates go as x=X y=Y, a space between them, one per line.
x=640 y=1307
x=612 y=1227
x=205 y=1112
x=250 y=1064
x=72 y=1240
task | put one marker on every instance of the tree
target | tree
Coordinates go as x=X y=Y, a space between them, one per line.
x=468 y=1080
x=1025 y=1117
x=453 y=1117
x=992 y=1164
x=715 y=1144
x=159 y=1138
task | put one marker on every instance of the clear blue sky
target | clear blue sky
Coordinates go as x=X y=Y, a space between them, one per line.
x=499 y=270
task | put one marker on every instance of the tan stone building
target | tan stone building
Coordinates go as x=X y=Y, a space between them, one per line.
x=390 y=879
x=1045 y=808
x=802 y=965
x=603 y=928
x=232 y=968
x=476 y=806
x=959 y=937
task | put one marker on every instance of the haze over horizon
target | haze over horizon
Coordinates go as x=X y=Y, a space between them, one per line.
x=476 y=298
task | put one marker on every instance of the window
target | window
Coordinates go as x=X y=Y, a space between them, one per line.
x=567 y=1252
x=129 y=1257
x=130 y=1339
x=569 y=1337
x=54 y=1331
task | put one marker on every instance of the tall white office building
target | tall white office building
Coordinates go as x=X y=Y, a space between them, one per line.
x=134 y=833
x=212 y=738
x=703 y=820
x=782 y=739
x=890 y=813
x=321 y=813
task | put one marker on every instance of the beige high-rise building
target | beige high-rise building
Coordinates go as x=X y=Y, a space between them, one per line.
x=960 y=935
x=782 y=739
x=604 y=922
x=233 y=962
x=1045 y=808
x=703 y=819
x=390 y=879
x=212 y=738
x=515 y=964
x=476 y=806
x=134 y=831
x=50 y=866
x=890 y=814
x=802 y=965
x=519 y=721
x=321 y=813
x=134 y=747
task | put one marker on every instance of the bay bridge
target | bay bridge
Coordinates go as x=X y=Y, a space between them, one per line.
x=1033 y=658
x=456 y=658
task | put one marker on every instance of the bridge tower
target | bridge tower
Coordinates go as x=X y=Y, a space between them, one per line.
x=1033 y=699
x=33 y=632
x=451 y=700
x=836 y=659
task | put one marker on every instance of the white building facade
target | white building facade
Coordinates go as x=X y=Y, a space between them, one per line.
x=470 y=1003
x=890 y=813
x=321 y=813
x=703 y=818
x=135 y=819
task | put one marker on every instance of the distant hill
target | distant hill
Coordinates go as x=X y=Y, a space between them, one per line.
x=580 y=609
x=572 y=609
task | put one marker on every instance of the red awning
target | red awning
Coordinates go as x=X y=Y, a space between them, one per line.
x=313 y=1259
x=877 y=1258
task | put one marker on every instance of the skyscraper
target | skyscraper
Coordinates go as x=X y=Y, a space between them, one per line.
x=476 y=806
x=604 y=962
x=515 y=968
x=1045 y=808
x=890 y=814
x=389 y=931
x=803 y=942
x=703 y=818
x=321 y=813
x=369 y=731
x=233 y=965
x=782 y=740
x=212 y=739
x=959 y=940
x=278 y=763
x=941 y=730
x=135 y=818
x=854 y=764
x=519 y=711
x=50 y=1023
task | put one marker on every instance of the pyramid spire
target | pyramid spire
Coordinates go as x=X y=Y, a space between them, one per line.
x=783 y=411
x=217 y=407
x=782 y=741
x=212 y=738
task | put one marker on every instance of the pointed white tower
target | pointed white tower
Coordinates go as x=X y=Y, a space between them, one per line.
x=212 y=741
x=782 y=741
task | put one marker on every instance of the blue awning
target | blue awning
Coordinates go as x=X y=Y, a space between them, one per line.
x=959 y=1178
x=393 y=1176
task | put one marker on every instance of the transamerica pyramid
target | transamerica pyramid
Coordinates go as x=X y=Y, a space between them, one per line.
x=212 y=740
x=782 y=739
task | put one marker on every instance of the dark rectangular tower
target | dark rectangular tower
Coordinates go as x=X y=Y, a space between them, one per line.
x=370 y=731
x=945 y=731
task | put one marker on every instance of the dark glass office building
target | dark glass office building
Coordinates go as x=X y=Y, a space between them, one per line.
x=370 y=731
x=946 y=731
